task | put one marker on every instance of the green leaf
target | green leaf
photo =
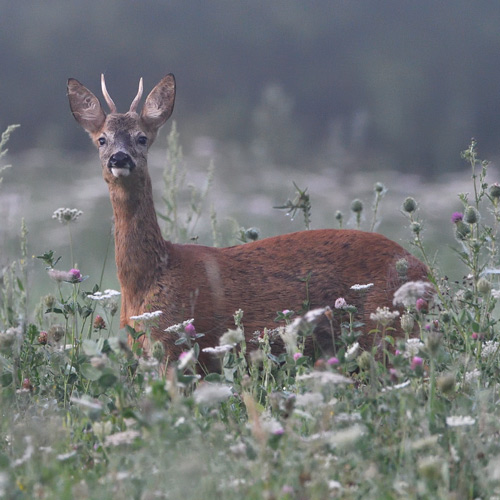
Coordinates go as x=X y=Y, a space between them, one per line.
x=89 y=372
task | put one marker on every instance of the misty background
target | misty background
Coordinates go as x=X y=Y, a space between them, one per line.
x=333 y=95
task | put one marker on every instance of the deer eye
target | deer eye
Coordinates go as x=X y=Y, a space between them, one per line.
x=142 y=140
x=101 y=141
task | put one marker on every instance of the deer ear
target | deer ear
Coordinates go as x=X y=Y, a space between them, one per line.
x=85 y=107
x=159 y=103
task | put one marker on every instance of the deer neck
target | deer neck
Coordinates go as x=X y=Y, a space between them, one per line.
x=140 y=248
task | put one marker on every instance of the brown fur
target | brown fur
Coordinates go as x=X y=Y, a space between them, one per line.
x=210 y=284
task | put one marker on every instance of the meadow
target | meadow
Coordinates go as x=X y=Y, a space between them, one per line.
x=84 y=417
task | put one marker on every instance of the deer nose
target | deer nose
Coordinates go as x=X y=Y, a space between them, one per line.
x=120 y=160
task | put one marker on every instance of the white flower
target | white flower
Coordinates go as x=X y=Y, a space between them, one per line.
x=208 y=394
x=218 y=350
x=232 y=337
x=325 y=377
x=106 y=295
x=65 y=215
x=314 y=314
x=383 y=316
x=147 y=316
x=352 y=352
x=179 y=327
x=495 y=294
x=66 y=456
x=361 y=287
x=413 y=346
x=27 y=453
x=340 y=303
x=489 y=348
x=119 y=438
x=472 y=376
x=459 y=421
x=309 y=400
x=186 y=358
x=408 y=293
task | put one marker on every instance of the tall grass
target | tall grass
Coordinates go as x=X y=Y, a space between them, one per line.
x=83 y=417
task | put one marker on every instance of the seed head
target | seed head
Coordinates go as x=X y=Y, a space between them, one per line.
x=158 y=351
x=471 y=215
x=409 y=205
x=495 y=190
x=357 y=206
x=483 y=286
x=379 y=187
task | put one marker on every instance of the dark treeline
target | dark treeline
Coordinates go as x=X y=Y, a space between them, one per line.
x=407 y=83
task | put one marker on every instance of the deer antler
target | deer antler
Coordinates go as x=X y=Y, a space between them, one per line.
x=137 y=98
x=107 y=97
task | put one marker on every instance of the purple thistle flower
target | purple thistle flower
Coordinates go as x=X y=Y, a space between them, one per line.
x=457 y=217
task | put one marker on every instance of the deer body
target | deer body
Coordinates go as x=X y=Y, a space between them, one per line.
x=210 y=284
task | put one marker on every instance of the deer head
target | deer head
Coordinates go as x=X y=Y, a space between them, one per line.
x=123 y=139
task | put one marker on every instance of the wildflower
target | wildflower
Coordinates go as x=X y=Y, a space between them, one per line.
x=186 y=358
x=56 y=333
x=412 y=347
x=309 y=400
x=66 y=215
x=409 y=205
x=27 y=385
x=147 y=316
x=407 y=322
x=459 y=421
x=483 y=286
x=297 y=356
x=179 y=327
x=471 y=215
x=357 y=206
x=475 y=335
x=408 y=293
x=333 y=361
x=360 y=288
x=208 y=394
x=495 y=294
x=489 y=348
x=71 y=276
x=325 y=377
x=352 y=352
x=43 y=338
x=232 y=337
x=340 y=303
x=416 y=362
x=219 y=350
x=472 y=376
x=457 y=217
x=383 y=316
x=422 y=306
x=119 y=438
x=495 y=190
x=103 y=296
x=402 y=267
x=99 y=323
x=190 y=330
x=158 y=351
x=10 y=340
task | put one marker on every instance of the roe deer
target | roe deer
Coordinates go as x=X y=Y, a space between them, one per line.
x=210 y=284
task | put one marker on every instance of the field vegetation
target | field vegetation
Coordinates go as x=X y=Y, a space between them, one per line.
x=84 y=416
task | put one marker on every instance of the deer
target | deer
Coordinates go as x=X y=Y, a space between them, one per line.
x=208 y=284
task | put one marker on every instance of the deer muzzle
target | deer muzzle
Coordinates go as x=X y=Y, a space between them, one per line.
x=121 y=164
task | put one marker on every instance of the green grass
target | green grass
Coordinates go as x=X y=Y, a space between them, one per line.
x=84 y=417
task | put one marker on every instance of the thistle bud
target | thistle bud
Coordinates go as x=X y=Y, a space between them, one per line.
x=365 y=361
x=379 y=187
x=407 y=322
x=483 y=286
x=462 y=230
x=471 y=215
x=409 y=205
x=158 y=351
x=43 y=338
x=495 y=190
x=252 y=234
x=357 y=206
